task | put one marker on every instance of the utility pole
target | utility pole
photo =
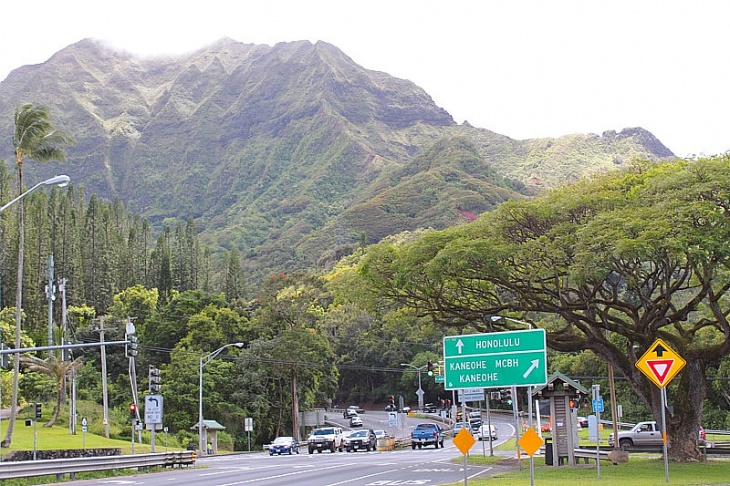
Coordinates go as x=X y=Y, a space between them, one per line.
x=50 y=296
x=104 y=392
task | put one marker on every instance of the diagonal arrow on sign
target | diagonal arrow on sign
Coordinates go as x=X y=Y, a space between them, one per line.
x=535 y=364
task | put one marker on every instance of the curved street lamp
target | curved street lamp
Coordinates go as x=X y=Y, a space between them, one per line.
x=59 y=180
x=204 y=360
x=516 y=321
x=419 y=393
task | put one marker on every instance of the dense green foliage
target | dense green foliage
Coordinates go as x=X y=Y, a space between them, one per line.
x=607 y=265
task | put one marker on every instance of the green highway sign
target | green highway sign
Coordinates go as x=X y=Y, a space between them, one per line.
x=492 y=360
x=439 y=379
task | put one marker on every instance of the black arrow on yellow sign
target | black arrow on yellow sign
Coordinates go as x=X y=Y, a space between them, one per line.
x=659 y=350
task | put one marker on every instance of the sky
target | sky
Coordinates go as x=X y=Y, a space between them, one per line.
x=521 y=68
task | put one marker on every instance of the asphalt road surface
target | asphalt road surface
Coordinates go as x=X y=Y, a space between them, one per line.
x=403 y=467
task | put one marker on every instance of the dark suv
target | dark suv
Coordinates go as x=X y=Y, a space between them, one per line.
x=364 y=439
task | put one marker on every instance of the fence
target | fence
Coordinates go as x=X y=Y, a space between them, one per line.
x=60 y=467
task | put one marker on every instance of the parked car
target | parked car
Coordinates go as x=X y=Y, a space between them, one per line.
x=355 y=421
x=485 y=431
x=284 y=445
x=326 y=438
x=361 y=439
x=646 y=434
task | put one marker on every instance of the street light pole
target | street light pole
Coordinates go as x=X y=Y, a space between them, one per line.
x=204 y=360
x=59 y=180
x=419 y=393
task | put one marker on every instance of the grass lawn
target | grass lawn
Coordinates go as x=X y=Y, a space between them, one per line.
x=640 y=471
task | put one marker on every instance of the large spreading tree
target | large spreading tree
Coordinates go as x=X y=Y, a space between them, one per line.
x=608 y=265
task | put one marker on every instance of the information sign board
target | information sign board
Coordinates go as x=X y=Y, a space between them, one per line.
x=500 y=359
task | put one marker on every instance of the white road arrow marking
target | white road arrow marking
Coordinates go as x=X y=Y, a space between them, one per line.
x=535 y=364
x=459 y=346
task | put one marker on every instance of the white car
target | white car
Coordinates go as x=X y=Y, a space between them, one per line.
x=355 y=421
x=380 y=434
x=483 y=432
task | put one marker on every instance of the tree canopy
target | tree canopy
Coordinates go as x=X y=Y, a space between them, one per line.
x=608 y=265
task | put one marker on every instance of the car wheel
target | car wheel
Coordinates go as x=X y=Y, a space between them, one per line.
x=625 y=444
x=311 y=451
x=419 y=446
x=271 y=453
x=413 y=446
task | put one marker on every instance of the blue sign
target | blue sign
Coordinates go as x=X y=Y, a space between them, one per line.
x=598 y=405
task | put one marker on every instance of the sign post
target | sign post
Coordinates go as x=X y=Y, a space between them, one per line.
x=661 y=364
x=512 y=358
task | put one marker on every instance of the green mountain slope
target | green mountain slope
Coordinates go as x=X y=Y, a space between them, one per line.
x=290 y=153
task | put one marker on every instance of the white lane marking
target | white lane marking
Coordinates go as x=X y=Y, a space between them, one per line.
x=267 y=478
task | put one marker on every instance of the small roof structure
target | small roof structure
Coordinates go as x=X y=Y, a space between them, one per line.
x=555 y=377
x=209 y=425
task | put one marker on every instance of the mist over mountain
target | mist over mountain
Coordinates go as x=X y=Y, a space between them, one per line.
x=292 y=153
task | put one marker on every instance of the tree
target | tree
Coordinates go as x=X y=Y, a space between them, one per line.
x=607 y=265
x=35 y=138
x=56 y=369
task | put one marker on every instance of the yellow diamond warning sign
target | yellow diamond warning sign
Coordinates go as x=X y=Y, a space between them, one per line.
x=531 y=442
x=660 y=363
x=464 y=440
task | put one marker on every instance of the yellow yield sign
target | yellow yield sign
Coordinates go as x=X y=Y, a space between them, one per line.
x=660 y=363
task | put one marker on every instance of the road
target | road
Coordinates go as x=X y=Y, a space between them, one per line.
x=428 y=466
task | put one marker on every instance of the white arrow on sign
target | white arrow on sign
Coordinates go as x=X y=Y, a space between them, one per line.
x=459 y=345
x=535 y=364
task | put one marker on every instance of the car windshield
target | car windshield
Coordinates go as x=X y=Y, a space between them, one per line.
x=360 y=433
x=323 y=432
x=282 y=440
x=380 y=433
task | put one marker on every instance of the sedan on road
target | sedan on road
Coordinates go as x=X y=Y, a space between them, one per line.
x=355 y=421
x=284 y=445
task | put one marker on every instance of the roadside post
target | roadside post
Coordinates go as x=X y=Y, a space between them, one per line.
x=661 y=364
x=464 y=441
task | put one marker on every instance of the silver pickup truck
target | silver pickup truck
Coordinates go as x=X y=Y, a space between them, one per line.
x=644 y=434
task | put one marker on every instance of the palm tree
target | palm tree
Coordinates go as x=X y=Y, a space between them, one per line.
x=37 y=139
x=56 y=369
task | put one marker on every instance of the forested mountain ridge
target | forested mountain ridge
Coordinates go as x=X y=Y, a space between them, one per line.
x=291 y=153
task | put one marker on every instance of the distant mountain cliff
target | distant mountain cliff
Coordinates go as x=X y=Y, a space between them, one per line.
x=292 y=153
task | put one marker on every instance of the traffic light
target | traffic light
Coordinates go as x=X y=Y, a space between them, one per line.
x=508 y=397
x=133 y=411
x=66 y=352
x=38 y=410
x=130 y=348
x=5 y=358
x=429 y=367
x=155 y=380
